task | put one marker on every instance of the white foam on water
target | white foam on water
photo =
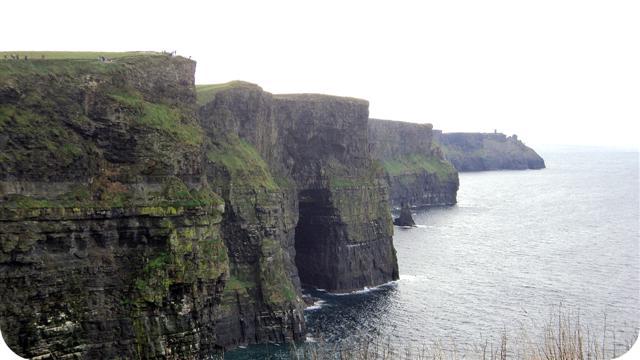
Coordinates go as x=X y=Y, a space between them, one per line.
x=367 y=289
x=316 y=305
x=310 y=339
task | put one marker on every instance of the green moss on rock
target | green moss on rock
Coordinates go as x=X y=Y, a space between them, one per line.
x=193 y=254
x=34 y=136
x=102 y=193
x=245 y=166
x=277 y=288
x=416 y=163
x=340 y=176
x=235 y=284
x=206 y=93
x=162 y=117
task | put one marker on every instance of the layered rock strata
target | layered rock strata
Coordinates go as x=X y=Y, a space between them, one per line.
x=124 y=221
x=317 y=148
x=111 y=238
x=416 y=170
x=487 y=151
x=405 y=218
x=261 y=302
x=137 y=221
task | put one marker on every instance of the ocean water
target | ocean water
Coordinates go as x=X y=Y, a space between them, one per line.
x=516 y=247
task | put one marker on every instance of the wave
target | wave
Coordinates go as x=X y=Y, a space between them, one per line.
x=317 y=305
x=367 y=289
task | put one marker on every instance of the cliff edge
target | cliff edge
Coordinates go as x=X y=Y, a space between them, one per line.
x=142 y=219
x=415 y=168
x=317 y=146
x=110 y=236
x=487 y=151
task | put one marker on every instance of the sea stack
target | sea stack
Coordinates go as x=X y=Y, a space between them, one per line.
x=405 y=218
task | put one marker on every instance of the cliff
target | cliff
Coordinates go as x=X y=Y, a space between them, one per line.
x=138 y=221
x=317 y=146
x=111 y=238
x=415 y=168
x=486 y=151
x=262 y=300
x=122 y=216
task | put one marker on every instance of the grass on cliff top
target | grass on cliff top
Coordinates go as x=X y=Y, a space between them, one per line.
x=71 y=63
x=206 y=93
x=489 y=151
x=73 y=55
x=11 y=68
x=418 y=163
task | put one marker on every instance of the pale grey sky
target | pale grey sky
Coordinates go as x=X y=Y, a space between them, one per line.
x=553 y=72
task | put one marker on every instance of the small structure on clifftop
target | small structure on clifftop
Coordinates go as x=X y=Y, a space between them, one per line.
x=405 y=218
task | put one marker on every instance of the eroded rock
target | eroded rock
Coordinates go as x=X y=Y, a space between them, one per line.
x=405 y=218
x=416 y=170
x=487 y=151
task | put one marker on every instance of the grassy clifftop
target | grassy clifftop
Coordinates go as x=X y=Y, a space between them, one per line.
x=61 y=62
x=488 y=151
x=76 y=116
x=416 y=163
x=100 y=130
x=206 y=92
x=74 y=55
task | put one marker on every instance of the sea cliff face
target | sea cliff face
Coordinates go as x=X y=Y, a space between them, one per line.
x=486 y=151
x=415 y=168
x=261 y=301
x=138 y=221
x=111 y=238
x=317 y=146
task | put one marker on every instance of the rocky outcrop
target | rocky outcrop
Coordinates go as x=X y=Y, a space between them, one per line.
x=415 y=168
x=262 y=300
x=163 y=224
x=110 y=236
x=135 y=282
x=137 y=221
x=317 y=146
x=405 y=218
x=487 y=151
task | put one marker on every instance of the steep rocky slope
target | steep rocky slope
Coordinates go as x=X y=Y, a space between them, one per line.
x=117 y=209
x=261 y=301
x=137 y=221
x=415 y=169
x=110 y=235
x=317 y=148
x=486 y=151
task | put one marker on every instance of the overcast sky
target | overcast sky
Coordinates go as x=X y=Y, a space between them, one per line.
x=553 y=72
